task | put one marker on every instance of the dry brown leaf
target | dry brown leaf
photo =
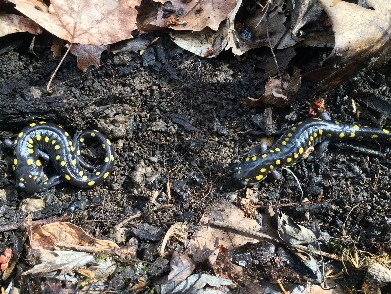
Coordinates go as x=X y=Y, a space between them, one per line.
x=11 y=23
x=88 y=55
x=360 y=35
x=189 y=16
x=208 y=238
x=92 y=22
x=45 y=237
x=181 y=267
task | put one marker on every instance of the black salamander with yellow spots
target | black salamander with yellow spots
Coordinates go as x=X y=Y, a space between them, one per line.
x=39 y=142
x=296 y=141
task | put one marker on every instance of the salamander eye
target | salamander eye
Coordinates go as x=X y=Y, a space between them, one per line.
x=244 y=183
x=21 y=185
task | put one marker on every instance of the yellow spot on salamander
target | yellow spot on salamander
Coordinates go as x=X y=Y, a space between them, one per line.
x=36 y=177
x=263 y=170
x=31 y=141
x=309 y=143
x=238 y=172
x=62 y=163
x=341 y=135
x=16 y=142
x=301 y=150
x=287 y=139
x=278 y=162
x=91 y=183
x=320 y=132
x=97 y=173
x=356 y=127
x=271 y=166
x=58 y=157
x=352 y=135
x=104 y=146
x=21 y=179
x=296 y=155
x=74 y=162
x=315 y=135
x=85 y=178
x=60 y=127
x=42 y=122
x=70 y=143
x=374 y=136
x=78 y=152
x=57 y=147
x=53 y=142
x=294 y=128
x=30 y=176
x=260 y=177
x=289 y=135
x=45 y=183
x=283 y=143
x=108 y=159
x=106 y=175
x=311 y=138
x=20 y=134
x=72 y=148
x=253 y=158
x=386 y=131
x=289 y=159
x=33 y=125
x=329 y=135
x=13 y=167
x=29 y=161
x=92 y=134
x=31 y=151
x=81 y=172
x=96 y=131
x=82 y=140
x=264 y=155
x=47 y=139
x=272 y=151
x=278 y=149
x=247 y=159
x=67 y=177
x=15 y=161
x=112 y=157
x=337 y=122
x=108 y=142
x=66 y=134
x=246 y=180
x=38 y=137
x=38 y=163
x=299 y=123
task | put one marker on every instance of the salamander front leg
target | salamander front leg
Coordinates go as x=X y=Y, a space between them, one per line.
x=324 y=116
x=55 y=180
x=44 y=156
x=260 y=149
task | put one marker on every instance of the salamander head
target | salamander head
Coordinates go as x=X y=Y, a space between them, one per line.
x=29 y=180
x=245 y=174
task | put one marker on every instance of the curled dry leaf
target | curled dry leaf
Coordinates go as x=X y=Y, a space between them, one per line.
x=11 y=23
x=86 y=22
x=186 y=15
x=293 y=233
x=360 y=35
x=88 y=55
x=45 y=237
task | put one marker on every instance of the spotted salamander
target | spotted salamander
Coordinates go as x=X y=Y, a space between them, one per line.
x=296 y=141
x=39 y=142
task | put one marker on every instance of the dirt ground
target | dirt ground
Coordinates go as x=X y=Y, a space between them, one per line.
x=180 y=119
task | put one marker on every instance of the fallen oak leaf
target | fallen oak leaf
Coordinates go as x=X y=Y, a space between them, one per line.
x=361 y=35
x=86 y=22
x=183 y=15
x=87 y=55
x=12 y=23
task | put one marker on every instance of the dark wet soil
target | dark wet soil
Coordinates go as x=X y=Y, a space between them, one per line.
x=179 y=119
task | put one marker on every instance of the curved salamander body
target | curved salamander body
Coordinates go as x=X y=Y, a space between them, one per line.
x=294 y=142
x=39 y=142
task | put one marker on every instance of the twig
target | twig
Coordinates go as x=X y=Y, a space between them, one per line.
x=271 y=48
x=55 y=71
x=35 y=223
